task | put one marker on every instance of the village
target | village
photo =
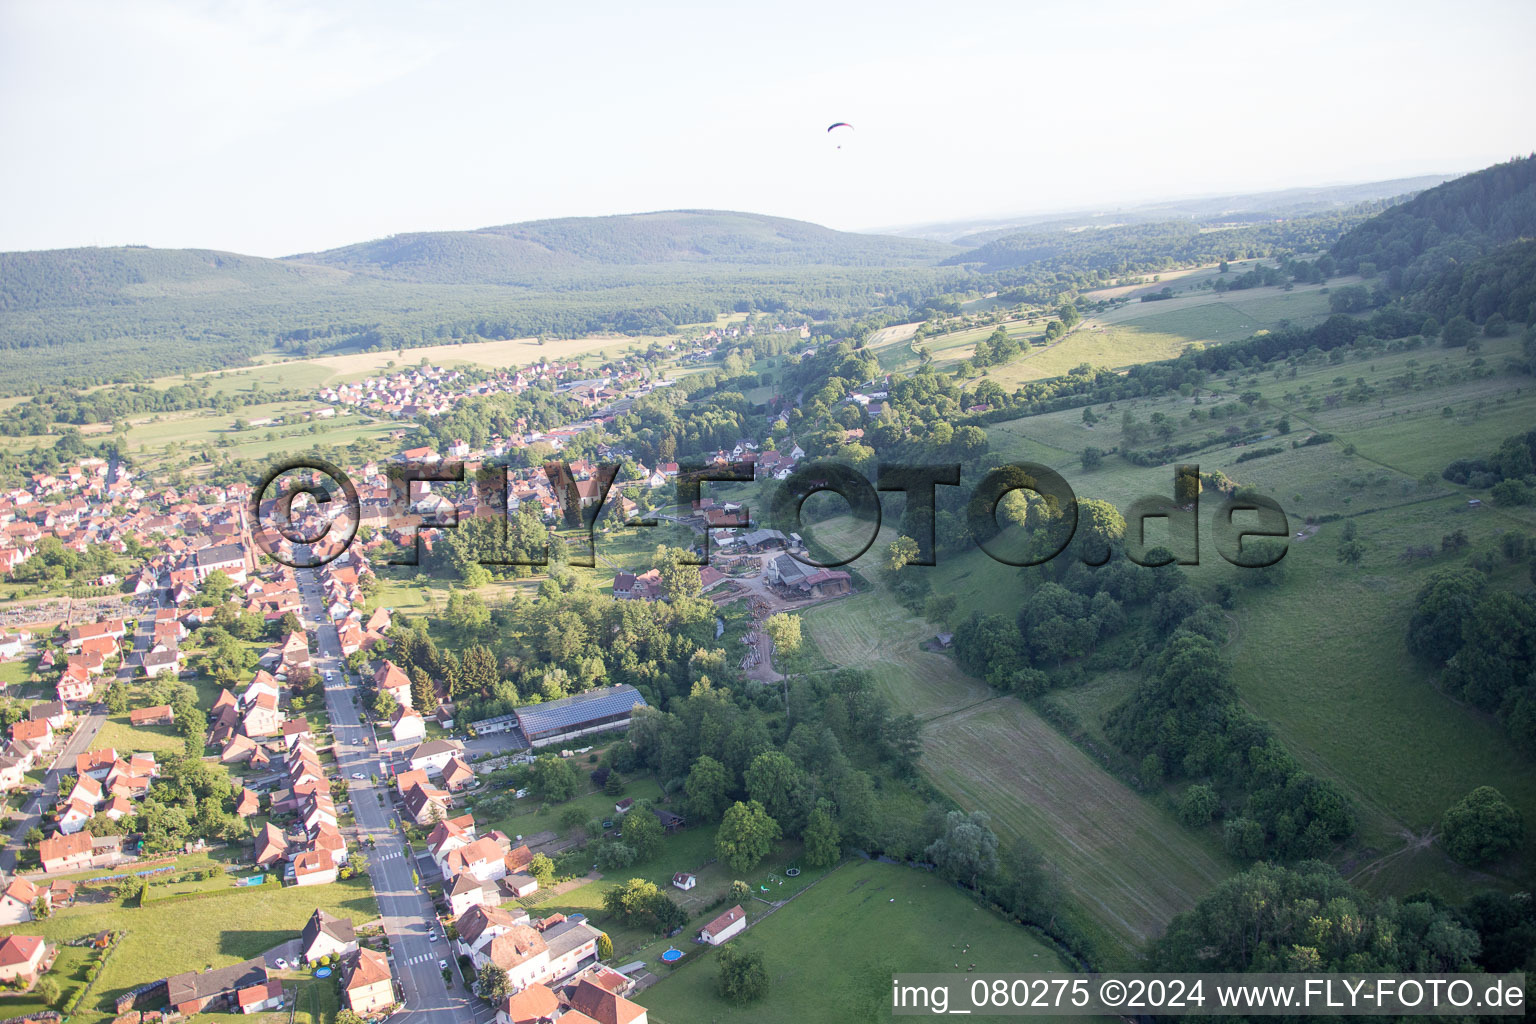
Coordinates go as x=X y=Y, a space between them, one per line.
x=315 y=785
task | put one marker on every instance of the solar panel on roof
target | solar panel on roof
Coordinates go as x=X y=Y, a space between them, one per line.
x=568 y=712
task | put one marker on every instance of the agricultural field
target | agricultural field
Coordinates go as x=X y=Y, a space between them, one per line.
x=815 y=972
x=1326 y=646
x=169 y=937
x=1127 y=863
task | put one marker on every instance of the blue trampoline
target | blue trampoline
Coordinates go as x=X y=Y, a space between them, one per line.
x=672 y=956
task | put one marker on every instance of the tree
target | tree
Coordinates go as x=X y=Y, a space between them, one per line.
x=553 y=779
x=784 y=630
x=643 y=832
x=613 y=785
x=1457 y=332
x=216 y=587
x=940 y=608
x=385 y=706
x=679 y=579
x=1272 y=918
x=1198 y=805
x=1092 y=458
x=823 y=843
x=1481 y=827
x=743 y=978
x=48 y=990
x=746 y=835
x=967 y=849
x=708 y=788
x=740 y=891
x=542 y=869
x=349 y=1017
x=491 y=982
x=635 y=901
x=774 y=781
x=901 y=553
x=117 y=697
x=604 y=946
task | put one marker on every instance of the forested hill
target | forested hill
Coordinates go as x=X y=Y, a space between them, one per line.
x=58 y=278
x=518 y=253
x=1446 y=226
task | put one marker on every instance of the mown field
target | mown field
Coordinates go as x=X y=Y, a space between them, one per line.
x=830 y=952
x=1127 y=863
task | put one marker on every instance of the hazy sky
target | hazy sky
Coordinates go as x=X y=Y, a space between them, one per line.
x=274 y=127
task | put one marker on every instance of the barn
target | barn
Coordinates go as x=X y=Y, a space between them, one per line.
x=594 y=711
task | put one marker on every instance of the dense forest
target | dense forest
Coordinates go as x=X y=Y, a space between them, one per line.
x=1450 y=224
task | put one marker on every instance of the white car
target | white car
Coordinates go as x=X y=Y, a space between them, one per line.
x=442 y=965
x=282 y=964
x=433 y=937
x=358 y=775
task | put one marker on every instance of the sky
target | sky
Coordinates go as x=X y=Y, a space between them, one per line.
x=274 y=128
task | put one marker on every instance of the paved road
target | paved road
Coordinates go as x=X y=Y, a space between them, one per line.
x=86 y=728
x=408 y=917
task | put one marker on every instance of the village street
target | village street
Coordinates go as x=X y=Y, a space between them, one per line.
x=407 y=912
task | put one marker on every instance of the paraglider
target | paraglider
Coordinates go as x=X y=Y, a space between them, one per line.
x=839 y=124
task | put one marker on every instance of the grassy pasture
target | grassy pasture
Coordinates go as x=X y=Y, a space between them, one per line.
x=1321 y=657
x=817 y=973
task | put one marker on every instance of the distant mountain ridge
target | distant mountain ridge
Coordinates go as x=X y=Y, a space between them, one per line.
x=1289 y=202
x=512 y=254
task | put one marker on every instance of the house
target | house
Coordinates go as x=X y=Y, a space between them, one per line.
x=684 y=881
x=55 y=712
x=263 y=718
x=366 y=983
x=195 y=991
x=271 y=846
x=260 y=997
x=296 y=730
x=247 y=803
x=62 y=853
x=22 y=958
x=12 y=772
x=426 y=804
x=160 y=714
x=326 y=935
x=96 y=763
x=727 y=926
x=313 y=867
x=604 y=1006
x=74 y=816
x=162 y=661
x=408 y=725
x=482 y=859
x=457 y=775
x=391 y=679
x=535 y=1004
x=75 y=684
x=433 y=756
x=18 y=899
x=38 y=732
